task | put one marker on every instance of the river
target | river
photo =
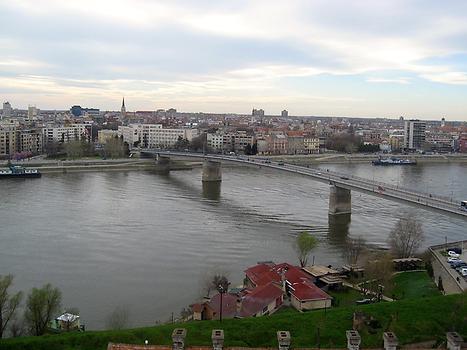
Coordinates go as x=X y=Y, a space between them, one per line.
x=148 y=242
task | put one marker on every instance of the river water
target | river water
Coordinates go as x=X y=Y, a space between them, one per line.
x=148 y=242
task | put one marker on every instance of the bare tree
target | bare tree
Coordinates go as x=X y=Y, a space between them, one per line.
x=379 y=270
x=354 y=249
x=303 y=245
x=406 y=237
x=119 y=318
x=42 y=304
x=213 y=281
x=8 y=303
x=16 y=327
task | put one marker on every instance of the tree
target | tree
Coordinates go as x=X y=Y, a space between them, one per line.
x=119 y=318
x=199 y=143
x=74 y=149
x=379 y=271
x=42 y=304
x=303 y=245
x=8 y=303
x=181 y=143
x=115 y=148
x=247 y=150
x=354 y=250
x=254 y=148
x=406 y=237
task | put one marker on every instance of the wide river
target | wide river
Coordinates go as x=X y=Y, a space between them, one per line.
x=149 y=242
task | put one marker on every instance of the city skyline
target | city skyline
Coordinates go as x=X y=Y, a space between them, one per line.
x=312 y=58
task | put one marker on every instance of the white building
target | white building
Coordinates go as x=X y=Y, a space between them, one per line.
x=414 y=134
x=69 y=133
x=153 y=135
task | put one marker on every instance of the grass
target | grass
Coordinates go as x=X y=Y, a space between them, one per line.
x=345 y=297
x=417 y=284
x=412 y=320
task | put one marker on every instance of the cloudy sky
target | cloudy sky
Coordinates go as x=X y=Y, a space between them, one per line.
x=312 y=57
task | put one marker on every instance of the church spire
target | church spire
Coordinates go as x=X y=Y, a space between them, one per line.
x=123 y=109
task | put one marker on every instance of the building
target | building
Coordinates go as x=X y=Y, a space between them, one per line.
x=106 y=134
x=79 y=111
x=295 y=282
x=311 y=144
x=32 y=112
x=463 y=143
x=414 y=135
x=284 y=114
x=7 y=109
x=8 y=141
x=73 y=132
x=257 y=112
x=154 y=135
x=30 y=141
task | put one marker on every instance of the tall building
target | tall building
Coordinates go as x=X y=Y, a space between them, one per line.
x=414 y=134
x=123 y=109
x=284 y=113
x=8 y=141
x=6 y=109
x=257 y=112
x=32 y=112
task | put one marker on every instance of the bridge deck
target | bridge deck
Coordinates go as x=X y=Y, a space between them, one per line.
x=350 y=182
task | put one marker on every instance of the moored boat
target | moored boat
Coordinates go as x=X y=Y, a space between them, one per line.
x=394 y=161
x=17 y=171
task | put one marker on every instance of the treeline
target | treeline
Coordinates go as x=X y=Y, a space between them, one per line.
x=113 y=148
x=41 y=304
x=349 y=143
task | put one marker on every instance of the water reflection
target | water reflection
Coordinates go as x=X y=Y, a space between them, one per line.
x=338 y=230
x=212 y=190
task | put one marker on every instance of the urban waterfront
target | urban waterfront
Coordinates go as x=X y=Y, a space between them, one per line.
x=149 y=241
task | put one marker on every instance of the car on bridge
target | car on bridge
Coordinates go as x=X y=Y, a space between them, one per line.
x=344 y=178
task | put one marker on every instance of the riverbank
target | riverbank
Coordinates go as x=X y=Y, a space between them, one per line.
x=46 y=166
x=330 y=158
x=412 y=320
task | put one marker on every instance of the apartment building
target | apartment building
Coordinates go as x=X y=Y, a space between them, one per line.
x=64 y=133
x=8 y=141
x=414 y=135
x=30 y=140
x=154 y=135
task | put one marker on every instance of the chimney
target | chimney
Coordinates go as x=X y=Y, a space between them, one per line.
x=454 y=341
x=390 y=341
x=217 y=339
x=283 y=338
x=353 y=340
x=178 y=338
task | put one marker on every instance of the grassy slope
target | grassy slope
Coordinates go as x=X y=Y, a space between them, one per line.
x=412 y=320
x=414 y=285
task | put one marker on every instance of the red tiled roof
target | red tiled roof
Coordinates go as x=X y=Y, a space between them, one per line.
x=197 y=307
x=261 y=274
x=293 y=274
x=259 y=298
x=229 y=305
x=308 y=291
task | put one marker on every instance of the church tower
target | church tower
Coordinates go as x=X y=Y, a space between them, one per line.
x=123 y=109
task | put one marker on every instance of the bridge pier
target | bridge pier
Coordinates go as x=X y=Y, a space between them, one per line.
x=212 y=171
x=339 y=200
x=162 y=164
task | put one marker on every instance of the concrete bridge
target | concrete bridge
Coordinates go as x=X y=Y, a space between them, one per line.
x=341 y=184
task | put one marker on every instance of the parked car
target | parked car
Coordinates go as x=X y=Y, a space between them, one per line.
x=363 y=301
x=453 y=254
x=451 y=259
x=455 y=250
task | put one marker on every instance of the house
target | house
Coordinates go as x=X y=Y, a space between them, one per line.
x=294 y=281
x=262 y=300
x=325 y=277
x=66 y=322
x=307 y=296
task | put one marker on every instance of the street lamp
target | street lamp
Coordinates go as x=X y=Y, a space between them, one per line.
x=221 y=290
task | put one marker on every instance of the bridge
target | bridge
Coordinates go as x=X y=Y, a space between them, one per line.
x=341 y=184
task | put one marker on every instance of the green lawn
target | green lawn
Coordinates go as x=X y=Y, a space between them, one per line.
x=346 y=297
x=417 y=284
x=412 y=320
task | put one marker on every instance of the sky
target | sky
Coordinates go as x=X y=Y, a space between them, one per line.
x=361 y=58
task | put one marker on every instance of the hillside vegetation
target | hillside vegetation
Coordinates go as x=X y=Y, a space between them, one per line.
x=413 y=320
